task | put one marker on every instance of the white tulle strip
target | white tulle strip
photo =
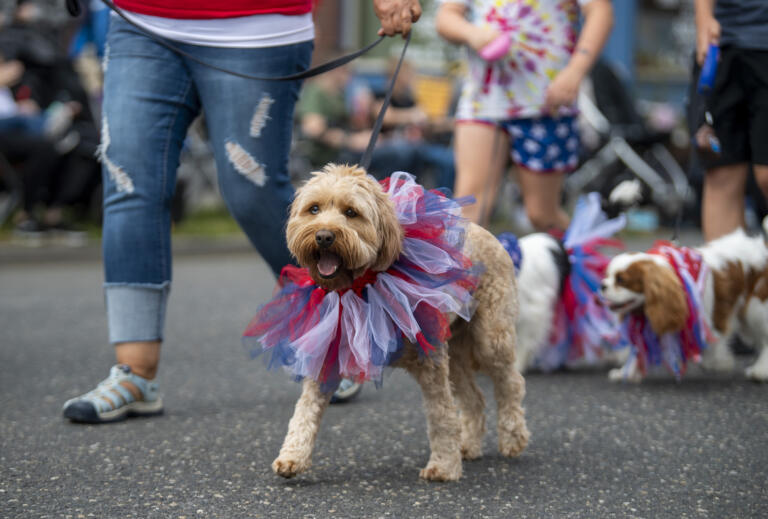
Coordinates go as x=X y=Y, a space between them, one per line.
x=439 y=299
x=356 y=358
x=311 y=347
x=395 y=304
x=404 y=193
x=429 y=257
x=383 y=332
x=589 y=222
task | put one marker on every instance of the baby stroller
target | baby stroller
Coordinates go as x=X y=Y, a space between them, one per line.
x=626 y=148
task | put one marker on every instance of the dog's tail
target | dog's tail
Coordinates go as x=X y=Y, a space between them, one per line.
x=623 y=197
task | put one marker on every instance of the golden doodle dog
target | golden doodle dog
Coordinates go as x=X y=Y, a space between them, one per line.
x=343 y=227
x=693 y=301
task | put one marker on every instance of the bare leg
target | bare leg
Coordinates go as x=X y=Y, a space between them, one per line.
x=722 y=207
x=470 y=399
x=481 y=152
x=296 y=453
x=143 y=359
x=442 y=418
x=541 y=195
x=761 y=177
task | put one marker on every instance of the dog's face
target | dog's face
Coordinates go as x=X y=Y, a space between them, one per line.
x=639 y=281
x=342 y=224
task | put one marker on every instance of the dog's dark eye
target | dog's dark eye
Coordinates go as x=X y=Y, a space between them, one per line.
x=350 y=213
x=619 y=278
x=314 y=209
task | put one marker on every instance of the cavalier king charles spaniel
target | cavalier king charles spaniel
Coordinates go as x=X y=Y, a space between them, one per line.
x=691 y=301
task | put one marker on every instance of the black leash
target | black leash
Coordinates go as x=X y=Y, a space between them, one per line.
x=365 y=161
x=311 y=72
x=74 y=8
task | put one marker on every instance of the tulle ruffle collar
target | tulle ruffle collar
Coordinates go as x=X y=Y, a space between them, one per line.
x=355 y=333
x=673 y=350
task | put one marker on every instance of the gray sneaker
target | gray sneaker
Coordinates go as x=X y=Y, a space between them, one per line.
x=346 y=391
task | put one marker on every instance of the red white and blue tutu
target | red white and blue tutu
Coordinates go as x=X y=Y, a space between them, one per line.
x=675 y=349
x=356 y=332
x=582 y=328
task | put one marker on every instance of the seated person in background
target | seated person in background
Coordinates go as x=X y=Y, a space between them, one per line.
x=25 y=115
x=338 y=129
x=326 y=122
x=408 y=131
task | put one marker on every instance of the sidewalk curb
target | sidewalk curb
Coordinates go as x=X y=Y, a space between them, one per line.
x=17 y=253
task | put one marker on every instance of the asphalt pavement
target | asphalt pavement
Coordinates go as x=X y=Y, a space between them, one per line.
x=662 y=449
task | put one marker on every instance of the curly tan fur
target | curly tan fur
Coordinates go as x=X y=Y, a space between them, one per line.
x=373 y=239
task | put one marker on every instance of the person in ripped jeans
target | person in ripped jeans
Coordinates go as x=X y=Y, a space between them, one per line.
x=151 y=95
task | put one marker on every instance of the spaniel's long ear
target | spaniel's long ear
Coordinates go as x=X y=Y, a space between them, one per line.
x=665 y=303
x=390 y=232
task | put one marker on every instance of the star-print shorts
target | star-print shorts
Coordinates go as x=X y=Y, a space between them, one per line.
x=542 y=144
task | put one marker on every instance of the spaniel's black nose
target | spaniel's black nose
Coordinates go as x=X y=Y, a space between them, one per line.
x=324 y=238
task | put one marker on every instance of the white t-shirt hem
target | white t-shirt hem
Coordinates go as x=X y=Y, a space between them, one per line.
x=257 y=31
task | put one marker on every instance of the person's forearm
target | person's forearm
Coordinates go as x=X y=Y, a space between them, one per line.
x=452 y=25
x=598 y=22
x=704 y=9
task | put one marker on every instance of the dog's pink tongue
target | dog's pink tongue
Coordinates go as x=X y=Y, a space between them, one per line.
x=328 y=264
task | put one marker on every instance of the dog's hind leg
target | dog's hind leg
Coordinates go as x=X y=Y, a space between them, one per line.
x=494 y=334
x=509 y=391
x=442 y=416
x=296 y=453
x=469 y=397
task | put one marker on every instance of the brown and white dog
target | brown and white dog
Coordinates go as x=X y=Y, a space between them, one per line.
x=341 y=225
x=734 y=298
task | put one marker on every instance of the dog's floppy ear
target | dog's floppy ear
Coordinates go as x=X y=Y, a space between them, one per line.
x=665 y=303
x=390 y=233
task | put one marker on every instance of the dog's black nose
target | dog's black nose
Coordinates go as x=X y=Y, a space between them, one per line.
x=603 y=286
x=324 y=238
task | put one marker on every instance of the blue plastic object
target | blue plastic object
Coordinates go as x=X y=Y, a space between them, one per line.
x=709 y=70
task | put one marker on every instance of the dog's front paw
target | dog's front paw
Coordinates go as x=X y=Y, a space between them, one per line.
x=756 y=374
x=719 y=364
x=437 y=472
x=471 y=450
x=289 y=466
x=623 y=375
x=512 y=443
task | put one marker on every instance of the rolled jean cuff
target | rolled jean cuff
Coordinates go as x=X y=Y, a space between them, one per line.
x=136 y=312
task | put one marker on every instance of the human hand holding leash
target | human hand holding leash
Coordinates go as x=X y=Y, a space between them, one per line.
x=396 y=16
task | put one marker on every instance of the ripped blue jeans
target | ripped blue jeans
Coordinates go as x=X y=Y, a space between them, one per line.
x=151 y=96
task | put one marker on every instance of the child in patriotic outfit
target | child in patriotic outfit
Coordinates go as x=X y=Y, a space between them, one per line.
x=526 y=60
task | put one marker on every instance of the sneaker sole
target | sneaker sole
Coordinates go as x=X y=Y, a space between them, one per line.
x=345 y=396
x=132 y=410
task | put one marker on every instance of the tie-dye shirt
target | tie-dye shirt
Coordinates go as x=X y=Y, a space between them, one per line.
x=543 y=34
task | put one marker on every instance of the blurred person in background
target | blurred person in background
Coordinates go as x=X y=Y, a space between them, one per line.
x=738 y=104
x=336 y=115
x=151 y=95
x=526 y=62
x=407 y=131
x=48 y=130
